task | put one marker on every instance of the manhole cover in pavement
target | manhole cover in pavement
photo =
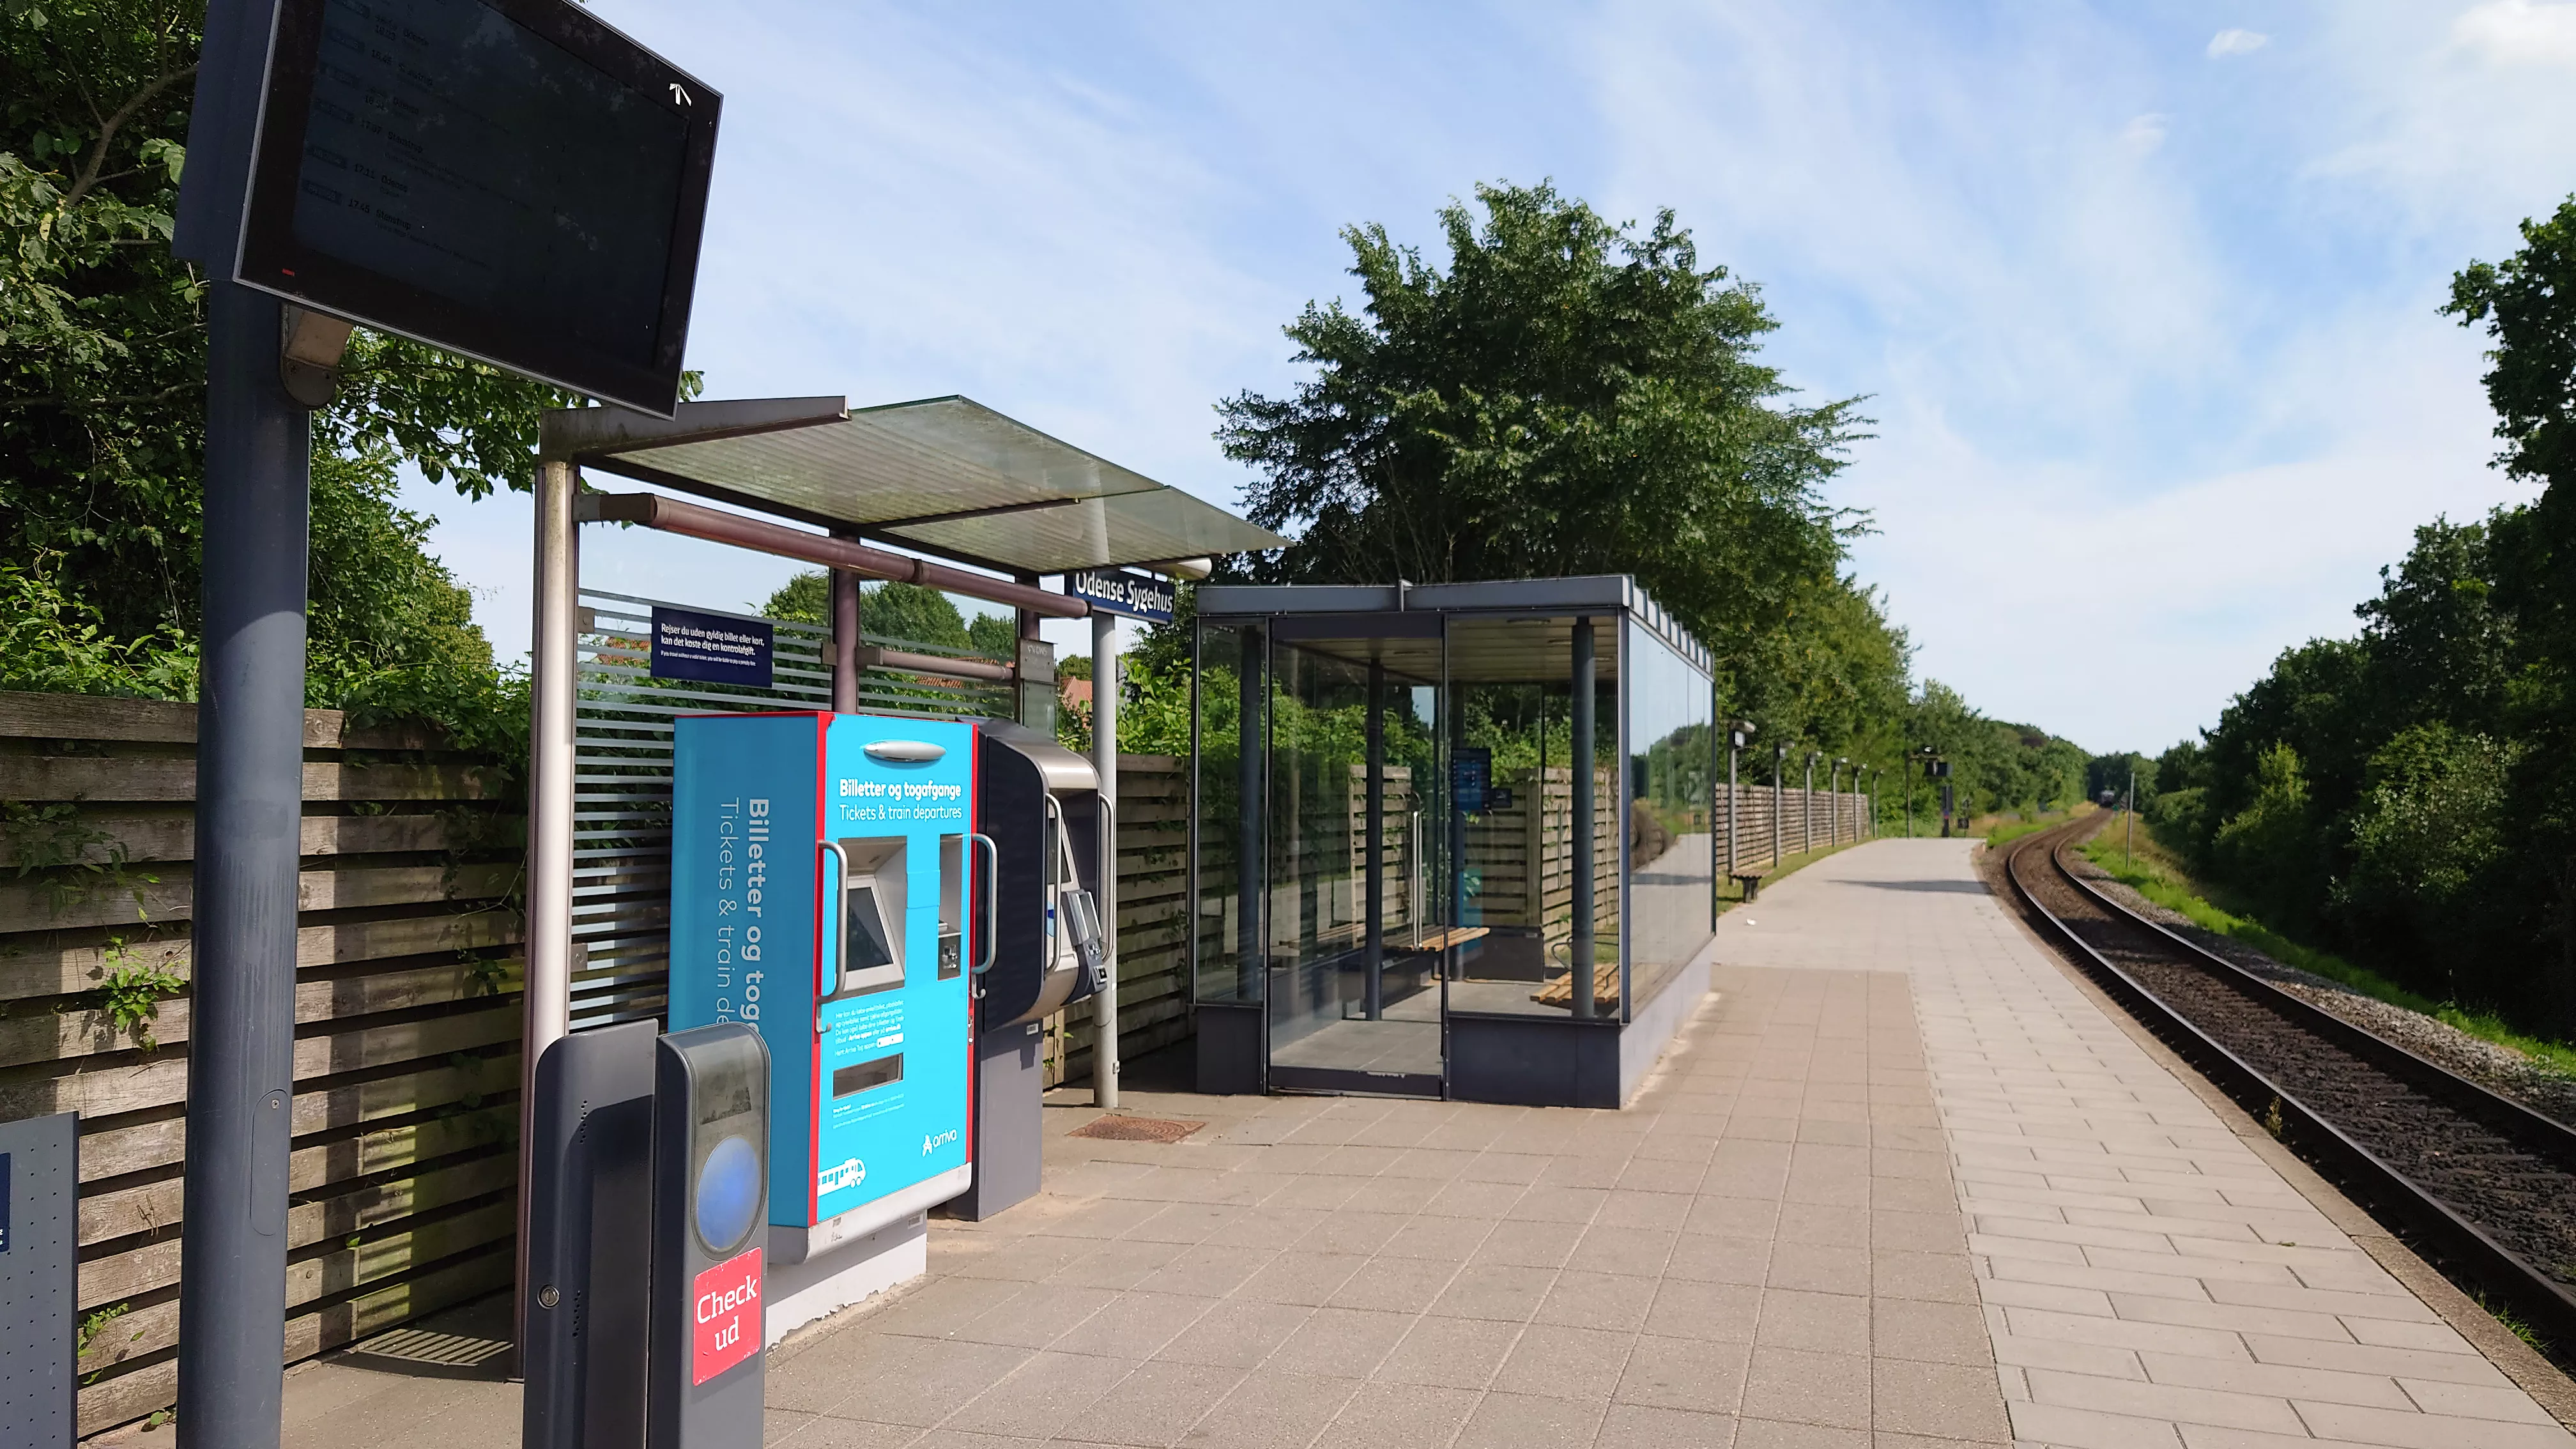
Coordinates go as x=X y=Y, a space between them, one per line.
x=1137 y=1129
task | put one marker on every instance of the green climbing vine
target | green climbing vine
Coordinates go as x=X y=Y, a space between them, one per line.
x=54 y=840
x=134 y=991
x=92 y=1325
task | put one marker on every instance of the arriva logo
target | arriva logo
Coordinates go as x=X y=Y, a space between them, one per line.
x=932 y=1144
x=848 y=1174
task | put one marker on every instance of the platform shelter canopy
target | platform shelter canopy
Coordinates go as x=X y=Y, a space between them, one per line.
x=946 y=476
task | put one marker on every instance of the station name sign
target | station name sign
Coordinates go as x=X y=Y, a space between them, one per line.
x=1121 y=591
x=513 y=180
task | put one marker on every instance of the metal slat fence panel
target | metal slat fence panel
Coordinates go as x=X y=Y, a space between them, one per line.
x=622 y=734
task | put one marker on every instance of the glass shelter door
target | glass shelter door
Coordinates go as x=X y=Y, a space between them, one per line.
x=1356 y=863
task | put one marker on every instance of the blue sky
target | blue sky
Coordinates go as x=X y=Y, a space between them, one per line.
x=2142 y=295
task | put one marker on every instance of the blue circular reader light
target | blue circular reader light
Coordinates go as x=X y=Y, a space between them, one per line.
x=728 y=1195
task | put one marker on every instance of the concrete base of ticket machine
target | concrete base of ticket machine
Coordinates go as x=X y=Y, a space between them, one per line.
x=800 y=1293
x=1010 y=1120
x=819 y=893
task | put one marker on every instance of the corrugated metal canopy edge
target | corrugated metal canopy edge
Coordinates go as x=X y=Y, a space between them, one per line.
x=945 y=475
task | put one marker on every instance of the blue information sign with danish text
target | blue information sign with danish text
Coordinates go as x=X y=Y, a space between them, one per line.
x=1471 y=779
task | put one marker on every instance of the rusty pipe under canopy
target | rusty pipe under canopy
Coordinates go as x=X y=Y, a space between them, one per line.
x=670 y=515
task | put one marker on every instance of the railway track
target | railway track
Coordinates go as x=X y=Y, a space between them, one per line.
x=2484 y=1185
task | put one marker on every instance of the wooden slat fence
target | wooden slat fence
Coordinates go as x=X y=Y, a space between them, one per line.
x=1806 y=823
x=1153 y=915
x=1538 y=827
x=407 y=1004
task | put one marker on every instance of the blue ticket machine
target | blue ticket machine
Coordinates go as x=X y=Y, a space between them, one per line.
x=819 y=892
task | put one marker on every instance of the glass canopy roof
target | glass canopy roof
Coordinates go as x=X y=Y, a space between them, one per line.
x=946 y=475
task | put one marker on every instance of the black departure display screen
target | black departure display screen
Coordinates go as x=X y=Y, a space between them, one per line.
x=510 y=179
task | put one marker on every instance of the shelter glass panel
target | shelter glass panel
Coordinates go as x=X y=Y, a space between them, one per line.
x=1515 y=782
x=1671 y=772
x=1232 y=697
x=1351 y=1001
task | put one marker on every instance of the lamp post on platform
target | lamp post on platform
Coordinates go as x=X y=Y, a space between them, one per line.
x=1779 y=768
x=1928 y=754
x=1807 y=805
x=1833 y=792
x=1738 y=735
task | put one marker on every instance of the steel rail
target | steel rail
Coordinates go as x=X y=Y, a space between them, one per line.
x=2540 y=1132
x=2543 y=1299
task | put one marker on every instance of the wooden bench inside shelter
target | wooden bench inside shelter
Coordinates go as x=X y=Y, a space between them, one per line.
x=1440 y=942
x=1605 y=989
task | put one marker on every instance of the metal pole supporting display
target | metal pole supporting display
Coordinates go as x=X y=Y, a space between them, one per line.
x=250 y=784
x=547 y=1002
x=250 y=794
x=1104 y=752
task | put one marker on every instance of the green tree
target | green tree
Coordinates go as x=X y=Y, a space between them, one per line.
x=805 y=598
x=1831 y=670
x=2527 y=303
x=1570 y=396
x=995 y=636
x=2429 y=842
x=2116 y=773
x=912 y=614
x=2270 y=848
x=896 y=612
x=2439 y=647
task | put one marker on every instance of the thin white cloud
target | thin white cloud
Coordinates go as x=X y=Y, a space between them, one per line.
x=2236 y=42
x=2518 y=32
x=2220 y=381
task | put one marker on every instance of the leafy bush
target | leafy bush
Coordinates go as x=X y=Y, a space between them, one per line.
x=51 y=642
x=2430 y=851
x=2268 y=849
x=2181 y=814
x=2433 y=822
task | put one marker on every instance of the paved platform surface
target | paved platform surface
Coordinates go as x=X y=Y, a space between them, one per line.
x=1900 y=1184
x=1767 y=1250
x=2147 y=1277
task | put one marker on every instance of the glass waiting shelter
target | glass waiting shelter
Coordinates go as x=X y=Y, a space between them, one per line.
x=1448 y=840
